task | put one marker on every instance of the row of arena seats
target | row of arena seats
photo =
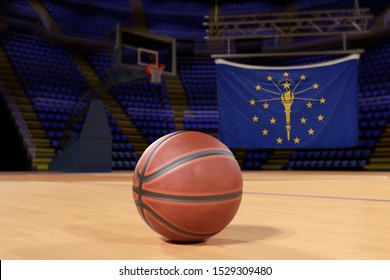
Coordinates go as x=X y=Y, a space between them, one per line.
x=115 y=5
x=199 y=81
x=205 y=121
x=374 y=81
x=251 y=7
x=182 y=26
x=19 y=9
x=153 y=124
x=326 y=164
x=254 y=158
x=188 y=8
x=123 y=164
x=331 y=154
x=100 y=23
x=185 y=20
x=375 y=7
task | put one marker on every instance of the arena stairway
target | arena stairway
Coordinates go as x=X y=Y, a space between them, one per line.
x=380 y=158
x=41 y=10
x=44 y=152
x=177 y=100
x=117 y=113
x=278 y=159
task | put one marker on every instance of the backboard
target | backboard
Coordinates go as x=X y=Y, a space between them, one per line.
x=135 y=49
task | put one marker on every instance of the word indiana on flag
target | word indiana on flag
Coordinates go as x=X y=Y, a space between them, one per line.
x=312 y=106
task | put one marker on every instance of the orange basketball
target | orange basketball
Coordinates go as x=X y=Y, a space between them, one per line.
x=187 y=186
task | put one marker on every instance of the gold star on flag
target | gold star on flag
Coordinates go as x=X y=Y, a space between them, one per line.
x=273 y=120
x=285 y=74
x=265 y=132
x=286 y=85
x=296 y=140
x=279 y=140
x=309 y=105
x=303 y=120
x=303 y=77
x=265 y=105
x=252 y=101
x=269 y=78
x=320 y=118
x=315 y=86
x=322 y=100
x=255 y=118
x=311 y=131
x=258 y=87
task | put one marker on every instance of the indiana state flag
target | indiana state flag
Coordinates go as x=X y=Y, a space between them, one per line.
x=313 y=106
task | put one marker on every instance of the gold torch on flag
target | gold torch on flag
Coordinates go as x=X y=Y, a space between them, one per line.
x=287 y=89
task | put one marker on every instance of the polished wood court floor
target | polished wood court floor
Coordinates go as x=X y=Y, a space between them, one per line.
x=283 y=215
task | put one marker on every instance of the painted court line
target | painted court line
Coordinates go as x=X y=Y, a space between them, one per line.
x=322 y=180
x=321 y=197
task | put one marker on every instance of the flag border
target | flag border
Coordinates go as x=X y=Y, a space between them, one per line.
x=316 y=65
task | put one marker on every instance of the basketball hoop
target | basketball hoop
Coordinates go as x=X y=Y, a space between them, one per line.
x=155 y=72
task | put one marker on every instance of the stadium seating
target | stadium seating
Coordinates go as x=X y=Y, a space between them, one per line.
x=76 y=18
x=376 y=7
x=251 y=7
x=255 y=158
x=185 y=19
x=19 y=9
x=199 y=80
x=54 y=93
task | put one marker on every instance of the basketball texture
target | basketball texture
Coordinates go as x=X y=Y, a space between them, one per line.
x=187 y=186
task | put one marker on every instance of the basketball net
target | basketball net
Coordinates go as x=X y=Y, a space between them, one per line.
x=155 y=72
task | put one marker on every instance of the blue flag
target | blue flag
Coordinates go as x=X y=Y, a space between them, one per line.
x=313 y=106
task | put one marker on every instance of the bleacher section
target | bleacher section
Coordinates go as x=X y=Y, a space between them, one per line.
x=376 y=7
x=115 y=5
x=325 y=4
x=199 y=81
x=51 y=92
x=76 y=18
x=179 y=19
x=54 y=84
x=251 y=7
x=19 y=9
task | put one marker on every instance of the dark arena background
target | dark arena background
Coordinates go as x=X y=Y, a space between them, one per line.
x=80 y=103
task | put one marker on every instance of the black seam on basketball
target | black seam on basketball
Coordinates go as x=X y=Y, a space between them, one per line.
x=155 y=149
x=190 y=199
x=184 y=160
x=139 y=176
x=171 y=226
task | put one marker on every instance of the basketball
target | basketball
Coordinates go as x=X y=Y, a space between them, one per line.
x=187 y=186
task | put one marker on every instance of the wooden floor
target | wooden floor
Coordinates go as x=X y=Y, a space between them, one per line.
x=283 y=215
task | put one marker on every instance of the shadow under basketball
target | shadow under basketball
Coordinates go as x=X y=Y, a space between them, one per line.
x=235 y=234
